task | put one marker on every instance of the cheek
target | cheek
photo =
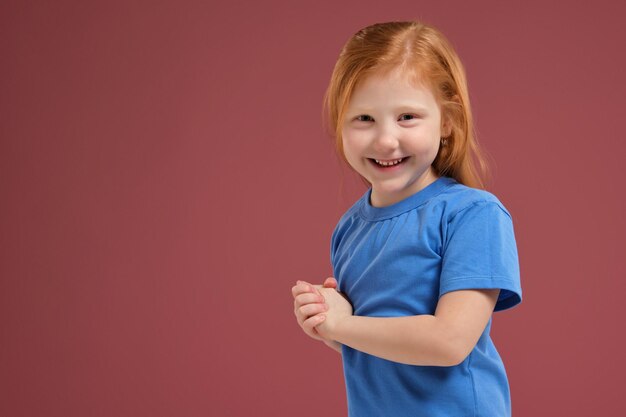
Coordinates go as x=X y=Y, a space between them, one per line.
x=352 y=145
x=353 y=152
x=425 y=141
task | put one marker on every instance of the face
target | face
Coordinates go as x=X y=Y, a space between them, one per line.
x=391 y=135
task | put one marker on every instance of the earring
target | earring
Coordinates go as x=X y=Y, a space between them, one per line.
x=444 y=141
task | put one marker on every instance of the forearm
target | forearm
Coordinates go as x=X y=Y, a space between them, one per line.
x=415 y=340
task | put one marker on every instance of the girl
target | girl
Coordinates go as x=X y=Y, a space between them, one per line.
x=426 y=255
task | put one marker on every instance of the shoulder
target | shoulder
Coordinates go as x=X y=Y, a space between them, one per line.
x=479 y=248
x=348 y=219
x=458 y=198
x=352 y=213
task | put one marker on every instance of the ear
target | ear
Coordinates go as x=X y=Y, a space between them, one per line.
x=446 y=123
x=446 y=129
x=446 y=126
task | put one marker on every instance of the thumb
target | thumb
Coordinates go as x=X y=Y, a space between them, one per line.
x=330 y=283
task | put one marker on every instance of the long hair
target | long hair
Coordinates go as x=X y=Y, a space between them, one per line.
x=423 y=53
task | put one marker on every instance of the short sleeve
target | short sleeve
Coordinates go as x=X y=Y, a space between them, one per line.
x=480 y=252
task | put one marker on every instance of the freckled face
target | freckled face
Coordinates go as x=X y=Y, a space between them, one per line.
x=391 y=135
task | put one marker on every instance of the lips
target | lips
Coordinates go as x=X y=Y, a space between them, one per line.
x=385 y=163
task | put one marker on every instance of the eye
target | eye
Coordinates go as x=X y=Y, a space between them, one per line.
x=405 y=117
x=364 y=118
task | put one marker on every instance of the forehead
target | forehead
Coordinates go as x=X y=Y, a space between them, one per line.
x=390 y=88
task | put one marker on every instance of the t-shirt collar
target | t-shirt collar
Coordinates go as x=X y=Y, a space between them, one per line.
x=369 y=212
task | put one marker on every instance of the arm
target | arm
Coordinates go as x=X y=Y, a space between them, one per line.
x=442 y=339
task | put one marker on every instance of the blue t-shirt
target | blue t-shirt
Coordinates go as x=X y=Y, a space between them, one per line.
x=397 y=261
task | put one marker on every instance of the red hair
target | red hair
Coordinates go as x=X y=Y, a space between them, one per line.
x=423 y=53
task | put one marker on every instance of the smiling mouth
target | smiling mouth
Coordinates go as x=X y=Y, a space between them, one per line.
x=388 y=162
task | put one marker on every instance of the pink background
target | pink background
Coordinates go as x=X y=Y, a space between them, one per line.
x=165 y=179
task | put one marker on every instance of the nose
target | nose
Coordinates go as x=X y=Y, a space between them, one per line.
x=386 y=139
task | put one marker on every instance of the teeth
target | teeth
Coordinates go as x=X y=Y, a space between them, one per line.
x=389 y=163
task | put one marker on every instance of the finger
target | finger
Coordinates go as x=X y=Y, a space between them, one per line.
x=312 y=332
x=309 y=310
x=297 y=289
x=307 y=298
x=303 y=287
x=330 y=282
x=309 y=329
x=310 y=323
x=315 y=335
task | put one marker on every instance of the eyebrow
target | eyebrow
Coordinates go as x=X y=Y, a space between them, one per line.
x=402 y=108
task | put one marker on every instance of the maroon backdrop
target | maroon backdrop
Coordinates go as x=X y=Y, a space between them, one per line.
x=165 y=179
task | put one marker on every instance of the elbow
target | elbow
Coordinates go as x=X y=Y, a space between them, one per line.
x=454 y=352
x=455 y=357
x=455 y=345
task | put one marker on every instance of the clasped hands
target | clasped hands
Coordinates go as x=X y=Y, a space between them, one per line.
x=320 y=308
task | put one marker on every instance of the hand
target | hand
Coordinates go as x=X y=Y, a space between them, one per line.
x=308 y=302
x=338 y=308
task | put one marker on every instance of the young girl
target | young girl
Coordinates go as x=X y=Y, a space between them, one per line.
x=426 y=255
